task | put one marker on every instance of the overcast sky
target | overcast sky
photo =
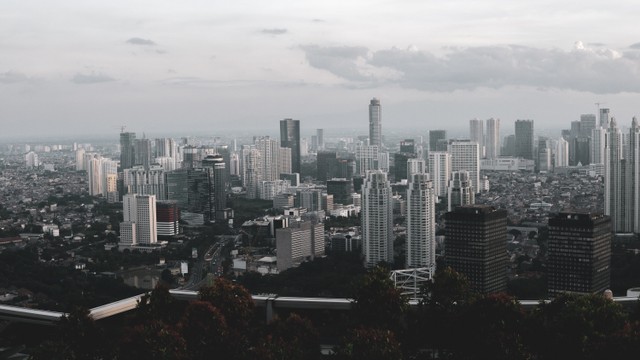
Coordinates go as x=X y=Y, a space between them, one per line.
x=87 y=67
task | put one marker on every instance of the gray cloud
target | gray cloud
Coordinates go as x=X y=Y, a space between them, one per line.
x=635 y=46
x=11 y=77
x=92 y=78
x=581 y=69
x=342 y=61
x=274 y=31
x=140 y=41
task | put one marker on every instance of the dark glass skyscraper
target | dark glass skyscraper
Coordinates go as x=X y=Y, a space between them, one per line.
x=579 y=253
x=476 y=246
x=290 y=138
x=127 y=150
x=524 y=139
x=434 y=137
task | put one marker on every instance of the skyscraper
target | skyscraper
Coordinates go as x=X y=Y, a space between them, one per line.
x=615 y=197
x=375 y=123
x=492 y=139
x=215 y=167
x=143 y=152
x=579 y=255
x=476 y=133
x=320 y=139
x=290 y=137
x=562 y=153
x=475 y=245
x=139 y=210
x=524 y=139
x=434 y=137
x=127 y=150
x=440 y=171
x=460 y=191
x=168 y=216
x=604 y=118
x=421 y=228
x=146 y=181
x=465 y=156
x=377 y=219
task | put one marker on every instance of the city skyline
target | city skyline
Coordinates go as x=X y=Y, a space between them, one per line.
x=197 y=65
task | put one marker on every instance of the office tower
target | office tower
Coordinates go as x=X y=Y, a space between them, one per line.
x=31 y=160
x=167 y=163
x=112 y=193
x=234 y=164
x=327 y=203
x=215 y=167
x=165 y=147
x=145 y=181
x=408 y=146
x=143 y=152
x=421 y=224
x=268 y=190
x=375 y=123
x=465 y=156
x=460 y=192
x=367 y=158
x=251 y=174
x=604 y=118
x=168 y=218
x=282 y=201
x=579 y=255
x=290 y=137
x=492 y=139
x=383 y=161
x=268 y=169
x=597 y=145
x=109 y=178
x=476 y=134
x=327 y=164
x=94 y=173
x=141 y=210
x=587 y=124
x=509 y=146
x=190 y=157
x=190 y=189
x=544 y=155
x=80 y=160
x=524 y=139
x=475 y=246
x=127 y=150
x=320 y=139
x=416 y=166
x=434 y=137
x=341 y=189
x=377 y=219
x=284 y=161
x=440 y=171
x=400 y=161
x=298 y=242
x=293 y=179
x=562 y=153
x=615 y=196
x=311 y=199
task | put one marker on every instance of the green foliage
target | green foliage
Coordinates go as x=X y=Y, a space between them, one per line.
x=290 y=339
x=369 y=344
x=205 y=331
x=377 y=302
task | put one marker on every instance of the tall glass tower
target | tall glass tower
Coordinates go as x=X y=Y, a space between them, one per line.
x=375 y=123
x=290 y=137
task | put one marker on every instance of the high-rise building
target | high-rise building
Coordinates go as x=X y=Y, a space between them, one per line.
x=311 y=199
x=562 y=153
x=460 y=191
x=598 y=136
x=190 y=188
x=146 y=181
x=492 y=139
x=509 y=146
x=168 y=218
x=421 y=227
x=579 y=254
x=375 y=123
x=616 y=198
x=416 y=166
x=80 y=160
x=298 y=242
x=408 y=146
x=143 y=152
x=476 y=246
x=141 y=211
x=434 y=137
x=524 y=139
x=320 y=139
x=544 y=155
x=367 y=158
x=215 y=167
x=440 y=171
x=400 y=161
x=327 y=164
x=604 y=118
x=341 y=190
x=127 y=150
x=290 y=138
x=377 y=219
x=465 y=156
x=476 y=133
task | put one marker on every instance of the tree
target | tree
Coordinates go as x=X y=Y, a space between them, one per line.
x=290 y=339
x=369 y=344
x=204 y=330
x=151 y=341
x=377 y=302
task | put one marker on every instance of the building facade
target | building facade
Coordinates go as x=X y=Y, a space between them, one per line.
x=377 y=219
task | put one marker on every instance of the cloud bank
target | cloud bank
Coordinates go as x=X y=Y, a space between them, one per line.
x=595 y=70
x=140 y=41
x=91 y=78
x=274 y=31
